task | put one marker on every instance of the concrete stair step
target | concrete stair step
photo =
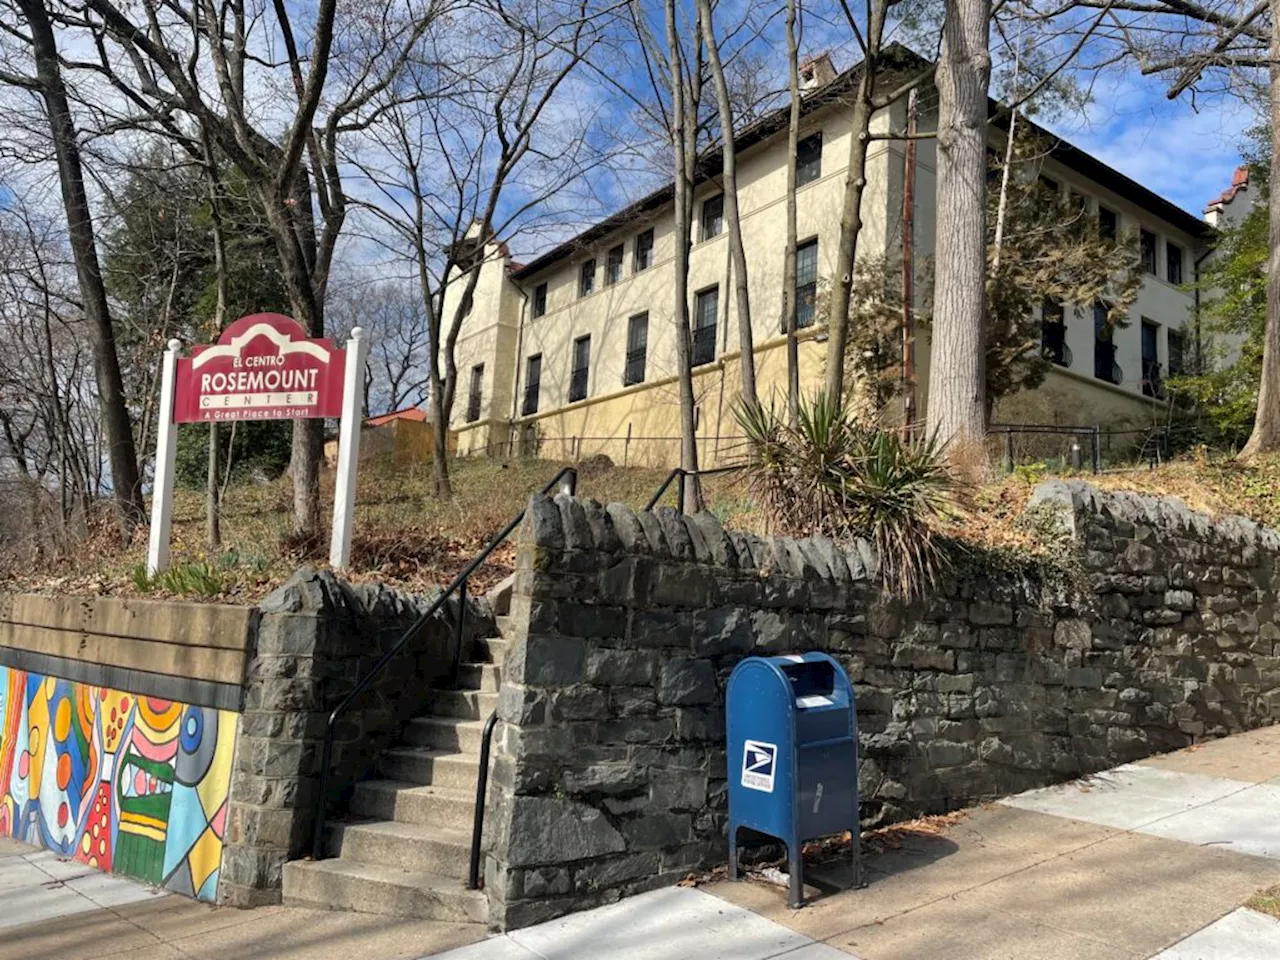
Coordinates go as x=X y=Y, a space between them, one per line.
x=409 y=846
x=423 y=767
x=445 y=733
x=413 y=803
x=464 y=704
x=479 y=676
x=342 y=884
x=489 y=650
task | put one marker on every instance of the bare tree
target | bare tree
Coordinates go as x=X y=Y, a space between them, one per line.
x=49 y=85
x=161 y=68
x=957 y=408
x=789 y=263
x=729 y=175
x=459 y=156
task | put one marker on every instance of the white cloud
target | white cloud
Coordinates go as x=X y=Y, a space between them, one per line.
x=1182 y=150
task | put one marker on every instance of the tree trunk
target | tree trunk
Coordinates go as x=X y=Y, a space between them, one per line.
x=213 y=489
x=682 y=132
x=1265 y=437
x=737 y=255
x=789 y=261
x=850 y=227
x=957 y=388
x=126 y=483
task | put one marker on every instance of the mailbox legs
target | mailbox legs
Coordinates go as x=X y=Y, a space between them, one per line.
x=796 y=876
x=733 y=852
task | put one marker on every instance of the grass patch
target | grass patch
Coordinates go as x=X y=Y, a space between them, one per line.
x=1266 y=901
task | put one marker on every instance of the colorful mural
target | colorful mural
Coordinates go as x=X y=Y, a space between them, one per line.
x=131 y=785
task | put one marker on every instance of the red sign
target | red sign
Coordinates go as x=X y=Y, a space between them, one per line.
x=263 y=367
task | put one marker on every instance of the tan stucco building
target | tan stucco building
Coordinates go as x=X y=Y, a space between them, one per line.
x=573 y=354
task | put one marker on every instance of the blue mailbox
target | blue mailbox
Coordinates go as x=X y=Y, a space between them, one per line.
x=793 y=756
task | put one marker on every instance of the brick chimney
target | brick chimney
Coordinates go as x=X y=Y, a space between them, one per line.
x=817 y=72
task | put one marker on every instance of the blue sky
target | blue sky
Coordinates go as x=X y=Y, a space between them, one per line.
x=1184 y=153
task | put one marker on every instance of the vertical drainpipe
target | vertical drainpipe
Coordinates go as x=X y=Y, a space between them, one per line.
x=908 y=267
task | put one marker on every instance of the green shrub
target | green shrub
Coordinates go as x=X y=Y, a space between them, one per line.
x=831 y=475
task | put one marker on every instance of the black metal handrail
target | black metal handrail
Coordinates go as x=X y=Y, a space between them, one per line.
x=482 y=787
x=679 y=474
x=567 y=480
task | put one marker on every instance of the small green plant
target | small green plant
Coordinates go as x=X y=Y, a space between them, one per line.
x=142 y=581
x=1031 y=473
x=831 y=475
x=192 y=578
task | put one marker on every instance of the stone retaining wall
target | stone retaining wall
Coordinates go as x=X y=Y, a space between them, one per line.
x=610 y=773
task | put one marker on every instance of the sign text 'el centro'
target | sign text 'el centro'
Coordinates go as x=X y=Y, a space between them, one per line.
x=263 y=367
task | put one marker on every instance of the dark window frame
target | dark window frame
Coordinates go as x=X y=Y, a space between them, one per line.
x=704 y=334
x=587 y=278
x=540 y=300
x=580 y=374
x=647 y=248
x=532 y=385
x=1173 y=257
x=1177 y=355
x=806 y=292
x=637 y=353
x=1152 y=377
x=1148 y=244
x=1108 y=222
x=612 y=266
x=1053 y=333
x=703 y=232
x=809 y=160
x=475 y=396
x=1105 y=367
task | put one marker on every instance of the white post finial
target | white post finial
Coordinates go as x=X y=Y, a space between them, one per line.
x=344 y=494
x=166 y=456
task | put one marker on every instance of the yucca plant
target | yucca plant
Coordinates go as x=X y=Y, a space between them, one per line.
x=831 y=475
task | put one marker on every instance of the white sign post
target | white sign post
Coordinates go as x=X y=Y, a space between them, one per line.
x=344 y=494
x=166 y=457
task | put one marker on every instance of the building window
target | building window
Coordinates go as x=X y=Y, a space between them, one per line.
x=477 y=391
x=587 y=281
x=806 y=282
x=539 y=300
x=1147 y=249
x=712 y=217
x=613 y=266
x=1106 y=222
x=809 y=159
x=581 y=364
x=644 y=251
x=1173 y=266
x=637 y=349
x=1177 y=354
x=1104 y=347
x=704 y=326
x=532 y=384
x=1053 y=333
x=1152 y=382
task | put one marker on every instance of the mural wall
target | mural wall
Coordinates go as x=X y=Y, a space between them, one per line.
x=128 y=784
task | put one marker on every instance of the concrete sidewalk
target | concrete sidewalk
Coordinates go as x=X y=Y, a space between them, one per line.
x=1149 y=860
x=56 y=908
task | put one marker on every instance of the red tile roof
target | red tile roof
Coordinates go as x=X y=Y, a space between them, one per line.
x=416 y=414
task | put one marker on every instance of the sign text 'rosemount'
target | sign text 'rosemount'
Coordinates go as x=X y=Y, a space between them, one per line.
x=263 y=367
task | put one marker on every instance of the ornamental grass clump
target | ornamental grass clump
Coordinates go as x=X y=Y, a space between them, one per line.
x=832 y=475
